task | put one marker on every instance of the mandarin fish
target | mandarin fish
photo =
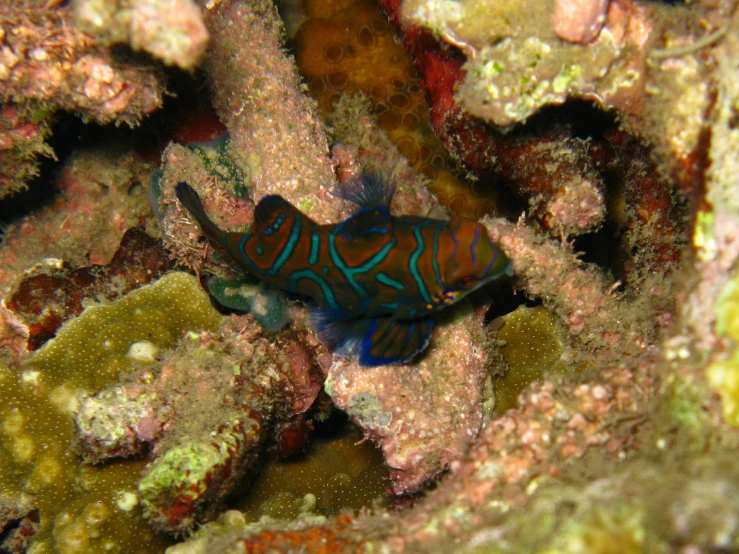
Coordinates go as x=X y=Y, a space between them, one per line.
x=373 y=280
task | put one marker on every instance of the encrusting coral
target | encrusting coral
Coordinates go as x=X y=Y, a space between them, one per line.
x=38 y=404
x=173 y=32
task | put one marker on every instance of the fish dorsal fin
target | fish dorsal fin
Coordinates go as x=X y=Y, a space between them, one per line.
x=374 y=341
x=368 y=191
x=269 y=214
x=367 y=223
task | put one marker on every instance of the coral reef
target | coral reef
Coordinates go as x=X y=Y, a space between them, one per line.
x=423 y=415
x=531 y=344
x=348 y=48
x=18 y=523
x=335 y=474
x=277 y=138
x=46 y=65
x=46 y=297
x=516 y=64
x=21 y=141
x=205 y=414
x=561 y=425
x=101 y=196
x=174 y=32
x=38 y=404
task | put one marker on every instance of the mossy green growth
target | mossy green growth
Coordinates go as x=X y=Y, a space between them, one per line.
x=619 y=530
x=727 y=311
x=217 y=161
x=533 y=344
x=180 y=485
x=723 y=375
x=232 y=293
x=37 y=403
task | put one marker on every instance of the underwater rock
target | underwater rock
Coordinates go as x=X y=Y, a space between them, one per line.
x=277 y=138
x=18 y=524
x=308 y=533
x=22 y=141
x=182 y=234
x=507 y=63
x=101 y=198
x=38 y=400
x=578 y=294
x=554 y=172
x=53 y=65
x=579 y=20
x=422 y=415
x=174 y=32
x=47 y=297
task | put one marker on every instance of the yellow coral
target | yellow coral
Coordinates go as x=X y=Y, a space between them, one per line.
x=724 y=378
x=334 y=475
x=533 y=344
x=79 y=505
x=347 y=47
x=619 y=530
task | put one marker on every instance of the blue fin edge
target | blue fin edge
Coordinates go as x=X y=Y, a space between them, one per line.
x=370 y=190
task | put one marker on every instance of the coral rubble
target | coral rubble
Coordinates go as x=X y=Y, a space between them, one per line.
x=47 y=64
x=174 y=32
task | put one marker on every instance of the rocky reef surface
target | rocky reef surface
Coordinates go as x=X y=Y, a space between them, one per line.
x=152 y=398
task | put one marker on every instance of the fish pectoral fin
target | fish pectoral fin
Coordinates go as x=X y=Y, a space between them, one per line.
x=374 y=341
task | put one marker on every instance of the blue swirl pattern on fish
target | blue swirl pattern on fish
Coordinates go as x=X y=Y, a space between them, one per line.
x=373 y=280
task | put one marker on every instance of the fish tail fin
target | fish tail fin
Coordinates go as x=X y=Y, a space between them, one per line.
x=191 y=201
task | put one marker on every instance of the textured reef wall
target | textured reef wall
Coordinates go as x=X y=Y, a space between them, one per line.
x=153 y=397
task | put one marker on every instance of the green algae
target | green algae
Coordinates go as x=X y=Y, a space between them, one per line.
x=723 y=374
x=534 y=343
x=616 y=530
x=217 y=160
x=80 y=505
x=233 y=294
x=333 y=475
